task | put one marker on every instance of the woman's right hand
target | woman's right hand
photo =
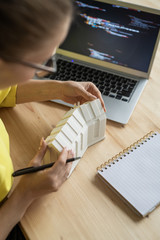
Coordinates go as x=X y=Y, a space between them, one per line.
x=37 y=184
x=32 y=186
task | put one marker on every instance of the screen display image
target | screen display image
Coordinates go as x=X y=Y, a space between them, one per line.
x=114 y=34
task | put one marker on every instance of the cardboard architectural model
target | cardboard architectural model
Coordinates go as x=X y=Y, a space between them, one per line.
x=81 y=127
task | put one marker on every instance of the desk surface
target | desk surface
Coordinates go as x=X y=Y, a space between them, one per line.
x=84 y=208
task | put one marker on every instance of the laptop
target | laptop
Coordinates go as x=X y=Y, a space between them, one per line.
x=113 y=44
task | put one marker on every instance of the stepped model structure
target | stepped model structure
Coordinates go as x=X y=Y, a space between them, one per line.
x=81 y=127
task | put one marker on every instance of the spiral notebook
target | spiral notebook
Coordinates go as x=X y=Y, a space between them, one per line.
x=134 y=174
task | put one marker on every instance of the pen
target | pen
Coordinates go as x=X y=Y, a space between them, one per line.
x=39 y=168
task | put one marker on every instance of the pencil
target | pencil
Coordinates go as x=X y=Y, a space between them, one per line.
x=39 y=168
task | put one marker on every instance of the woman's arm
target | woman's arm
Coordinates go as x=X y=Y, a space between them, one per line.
x=68 y=91
x=37 y=91
x=31 y=187
x=12 y=211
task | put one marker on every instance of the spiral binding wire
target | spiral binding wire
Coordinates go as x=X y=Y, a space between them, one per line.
x=126 y=151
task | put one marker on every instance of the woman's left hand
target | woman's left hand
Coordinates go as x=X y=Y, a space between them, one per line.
x=74 y=92
x=69 y=91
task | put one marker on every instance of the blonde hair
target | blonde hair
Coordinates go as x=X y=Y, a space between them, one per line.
x=25 y=24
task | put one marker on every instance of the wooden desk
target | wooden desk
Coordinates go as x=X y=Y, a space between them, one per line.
x=84 y=208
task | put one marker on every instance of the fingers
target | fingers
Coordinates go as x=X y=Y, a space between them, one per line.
x=48 y=180
x=91 y=92
x=81 y=92
x=88 y=96
x=63 y=157
x=36 y=161
x=70 y=154
x=61 y=167
x=98 y=95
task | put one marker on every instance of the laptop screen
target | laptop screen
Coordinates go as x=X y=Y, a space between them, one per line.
x=110 y=33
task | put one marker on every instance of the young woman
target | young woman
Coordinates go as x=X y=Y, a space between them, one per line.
x=31 y=31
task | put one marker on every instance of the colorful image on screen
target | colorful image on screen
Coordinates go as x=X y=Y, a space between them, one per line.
x=114 y=34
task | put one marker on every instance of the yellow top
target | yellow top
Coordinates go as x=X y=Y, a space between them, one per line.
x=7 y=99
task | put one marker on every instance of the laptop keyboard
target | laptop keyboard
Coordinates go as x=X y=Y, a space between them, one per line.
x=111 y=85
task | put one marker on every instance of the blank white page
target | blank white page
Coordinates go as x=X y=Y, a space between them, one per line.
x=136 y=177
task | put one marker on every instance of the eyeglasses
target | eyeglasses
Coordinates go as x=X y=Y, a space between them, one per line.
x=44 y=69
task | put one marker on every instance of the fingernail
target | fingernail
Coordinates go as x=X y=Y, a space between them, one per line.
x=94 y=96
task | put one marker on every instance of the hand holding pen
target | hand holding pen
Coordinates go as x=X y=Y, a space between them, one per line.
x=39 y=168
x=48 y=180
